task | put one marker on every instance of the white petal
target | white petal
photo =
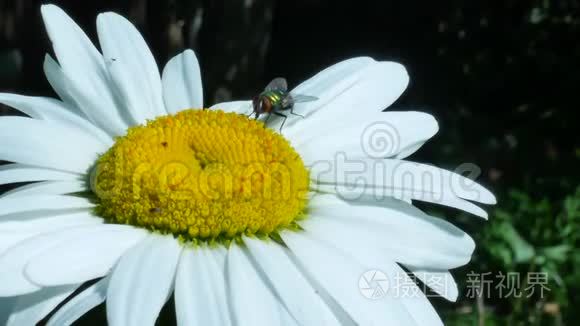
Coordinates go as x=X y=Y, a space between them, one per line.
x=93 y=254
x=416 y=302
x=182 y=87
x=241 y=107
x=326 y=85
x=366 y=90
x=142 y=281
x=45 y=144
x=458 y=203
x=13 y=173
x=409 y=150
x=132 y=66
x=47 y=188
x=85 y=70
x=291 y=286
x=440 y=281
x=6 y=306
x=392 y=177
x=49 y=109
x=60 y=83
x=370 y=198
x=406 y=237
x=27 y=219
x=32 y=308
x=331 y=83
x=16 y=230
x=11 y=239
x=376 y=196
x=80 y=304
x=49 y=222
x=14 y=205
x=384 y=134
x=324 y=81
x=339 y=274
x=401 y=289
x=200 y=292
x=252 y=300
x=15 y=259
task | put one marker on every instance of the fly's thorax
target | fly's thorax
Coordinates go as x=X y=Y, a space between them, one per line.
x=274 y=99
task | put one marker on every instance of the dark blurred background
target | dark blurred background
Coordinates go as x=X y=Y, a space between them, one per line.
x=501 y=77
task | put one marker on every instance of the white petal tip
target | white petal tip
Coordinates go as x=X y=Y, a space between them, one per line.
x=486 y=197
x=428 y=123
x=484 y=215
x=189 y=52
x=49 y=7
x=399 y=70
x=51 y=11
x=433 y=122
x=452 y=297
x=113 y=19
x=109 y=15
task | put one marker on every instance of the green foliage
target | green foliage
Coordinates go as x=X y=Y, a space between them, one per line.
x=527 y=235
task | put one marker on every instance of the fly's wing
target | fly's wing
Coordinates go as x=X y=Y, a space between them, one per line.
x=291 y=99
x=298 y=98
x=277 y=84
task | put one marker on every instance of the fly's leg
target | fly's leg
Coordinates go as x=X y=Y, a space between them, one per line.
x=292 y=112
x=280 y=115
x=267 y=118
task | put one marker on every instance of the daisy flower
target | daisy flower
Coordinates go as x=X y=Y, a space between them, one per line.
x=134 y=193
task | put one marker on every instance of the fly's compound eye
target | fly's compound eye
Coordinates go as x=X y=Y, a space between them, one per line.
x=257 y=104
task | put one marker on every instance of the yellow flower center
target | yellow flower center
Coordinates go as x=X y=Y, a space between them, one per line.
x=203 y=176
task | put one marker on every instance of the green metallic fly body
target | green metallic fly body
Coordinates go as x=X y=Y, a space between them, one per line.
x=276 y=98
